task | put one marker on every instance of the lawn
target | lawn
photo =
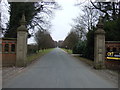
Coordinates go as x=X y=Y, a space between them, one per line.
x=87 y=61
x=37 y=55
x=69 y=51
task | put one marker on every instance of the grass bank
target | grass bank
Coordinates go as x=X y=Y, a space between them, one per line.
x=87 y=61
x=35 y=56
x=67 y=50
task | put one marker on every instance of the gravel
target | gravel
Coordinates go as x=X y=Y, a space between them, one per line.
x=8 y=72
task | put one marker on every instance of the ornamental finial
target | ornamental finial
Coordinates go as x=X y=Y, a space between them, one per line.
x=23 y=21
x=100 y=22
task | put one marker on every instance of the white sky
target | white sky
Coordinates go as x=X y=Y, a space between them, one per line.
x=4 y=11
x=63 y=19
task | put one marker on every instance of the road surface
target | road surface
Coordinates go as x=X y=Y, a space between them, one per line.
x=57 y=69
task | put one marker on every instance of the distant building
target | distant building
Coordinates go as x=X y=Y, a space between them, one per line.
x=60 y=42
x=55 y=43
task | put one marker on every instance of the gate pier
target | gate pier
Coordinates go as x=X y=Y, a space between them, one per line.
x=22 y=34
x=99 y=49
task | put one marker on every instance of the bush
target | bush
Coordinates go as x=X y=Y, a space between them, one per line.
x=86 y=48
x=89 y=50
x=112 y=29
x=31 y=49
x=79 y=48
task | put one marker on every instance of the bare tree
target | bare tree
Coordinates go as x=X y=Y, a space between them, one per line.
x=44 y=40
x=86 y=22
x=88 y=18
x=38 y=15
x=110 y=9
x=71 y=40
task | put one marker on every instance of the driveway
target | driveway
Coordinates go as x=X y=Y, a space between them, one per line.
x=58 y=69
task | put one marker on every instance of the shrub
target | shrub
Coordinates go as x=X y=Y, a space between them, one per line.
x=79 y=48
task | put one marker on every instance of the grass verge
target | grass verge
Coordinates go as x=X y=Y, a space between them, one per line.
x=33 y=57
x=87 y=61
x=91 y=63
x=67 y=50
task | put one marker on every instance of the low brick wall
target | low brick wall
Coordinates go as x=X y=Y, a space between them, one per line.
x=8 y=59
x=112 y=64
x=113 y=46
x=8 y=51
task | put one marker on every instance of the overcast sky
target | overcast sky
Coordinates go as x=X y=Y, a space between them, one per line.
x=62 y=20
x=4 y=10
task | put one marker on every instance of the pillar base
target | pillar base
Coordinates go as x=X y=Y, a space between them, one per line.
x=20 y=64
x=99 y=66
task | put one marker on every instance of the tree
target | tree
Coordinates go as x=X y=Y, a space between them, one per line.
x=111 y=18
x=36 y=15
x=112 y=29
x=70 y=40
x=110 y=9
x=80 y=48
x=110 y=12
x=86 y=21
x=44 y=40
x=89 y=50
x=16 y=11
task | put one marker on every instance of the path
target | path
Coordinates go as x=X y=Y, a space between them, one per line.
x=57 y=69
